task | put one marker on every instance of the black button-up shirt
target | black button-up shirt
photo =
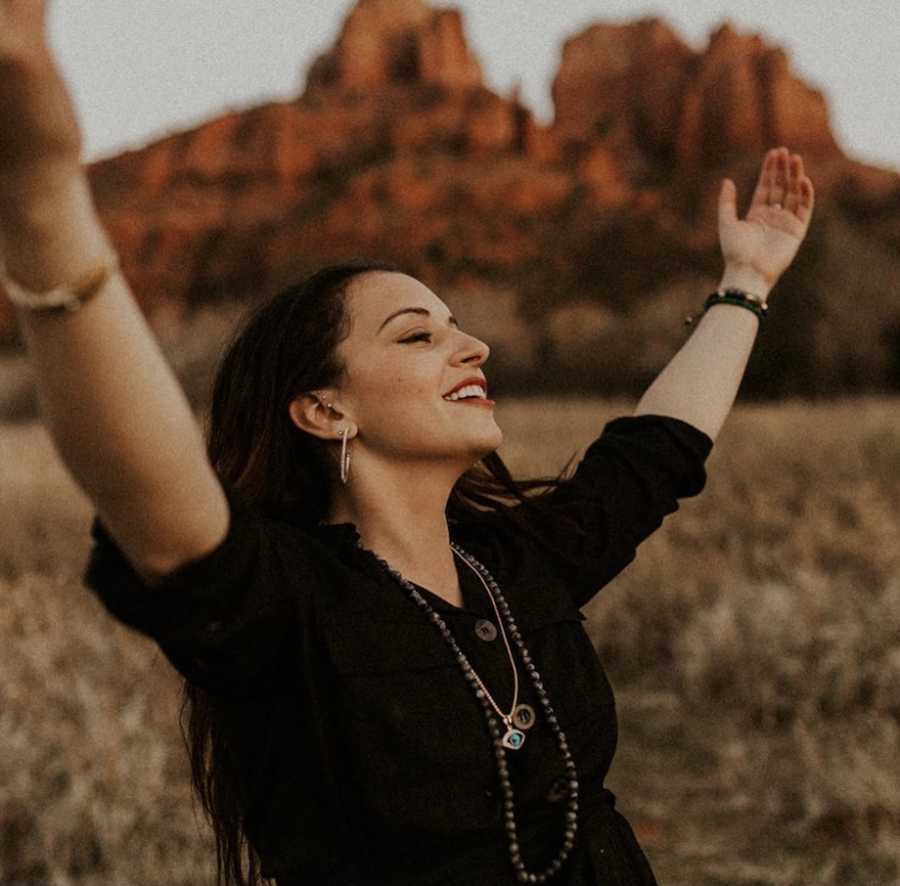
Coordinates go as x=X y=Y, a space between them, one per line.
x=373 y=762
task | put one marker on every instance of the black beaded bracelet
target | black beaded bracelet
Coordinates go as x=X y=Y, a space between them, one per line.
x=732 y=296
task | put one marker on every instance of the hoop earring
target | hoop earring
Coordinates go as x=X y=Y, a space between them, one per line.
x=345 y=459
x=345 y=454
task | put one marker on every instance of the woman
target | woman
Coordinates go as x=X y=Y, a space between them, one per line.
x=387 y=676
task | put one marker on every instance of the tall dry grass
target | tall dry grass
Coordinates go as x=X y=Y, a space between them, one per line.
x=92 y=772
x=769 y=605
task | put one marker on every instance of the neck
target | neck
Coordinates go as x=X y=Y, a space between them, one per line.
x=400 y=515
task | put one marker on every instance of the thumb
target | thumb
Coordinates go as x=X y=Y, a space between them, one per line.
x=727 y=202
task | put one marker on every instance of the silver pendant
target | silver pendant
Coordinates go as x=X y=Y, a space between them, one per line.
x=513 y=739
x=523 y=716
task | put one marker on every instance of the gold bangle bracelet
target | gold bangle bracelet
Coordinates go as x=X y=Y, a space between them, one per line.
x=66 y=296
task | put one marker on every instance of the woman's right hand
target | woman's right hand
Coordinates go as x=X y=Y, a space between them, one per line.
x=38 y=122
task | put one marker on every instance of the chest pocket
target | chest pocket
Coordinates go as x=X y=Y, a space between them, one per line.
x=553 y=629
x=412 y=732
x=360 y=644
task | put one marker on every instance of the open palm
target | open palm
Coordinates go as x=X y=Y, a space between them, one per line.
x=767 y=239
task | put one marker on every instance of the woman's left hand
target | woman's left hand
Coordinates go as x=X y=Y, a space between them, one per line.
x=766 y=241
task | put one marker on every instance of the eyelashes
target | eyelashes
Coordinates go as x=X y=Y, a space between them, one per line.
x=419 y=336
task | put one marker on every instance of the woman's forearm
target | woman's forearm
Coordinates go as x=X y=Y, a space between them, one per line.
x=699 y=385
x=701 y=382
x=117 y=415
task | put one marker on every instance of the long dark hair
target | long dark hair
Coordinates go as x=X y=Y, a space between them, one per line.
x=288 y=346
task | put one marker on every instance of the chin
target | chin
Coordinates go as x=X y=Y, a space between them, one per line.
x=491 y=447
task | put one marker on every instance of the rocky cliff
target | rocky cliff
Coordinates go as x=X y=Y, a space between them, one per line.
x=396 y=149
x=639 y=90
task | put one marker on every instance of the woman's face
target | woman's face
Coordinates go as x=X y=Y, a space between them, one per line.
x=400 y=364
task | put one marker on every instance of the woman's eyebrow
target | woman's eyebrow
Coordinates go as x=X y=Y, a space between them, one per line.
x=451 y=320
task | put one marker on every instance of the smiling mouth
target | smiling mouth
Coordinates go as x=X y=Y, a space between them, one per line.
x=477 y=401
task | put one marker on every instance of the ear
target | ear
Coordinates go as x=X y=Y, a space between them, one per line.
x=309 y=413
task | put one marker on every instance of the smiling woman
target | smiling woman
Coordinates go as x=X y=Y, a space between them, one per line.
x=387 y=677
x=313 y=592
x=347 y=366
x=403 y=351
x=328 y=584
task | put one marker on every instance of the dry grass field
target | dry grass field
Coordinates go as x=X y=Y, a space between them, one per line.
x=754 y=644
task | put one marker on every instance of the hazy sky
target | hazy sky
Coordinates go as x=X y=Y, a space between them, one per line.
x=142 y=68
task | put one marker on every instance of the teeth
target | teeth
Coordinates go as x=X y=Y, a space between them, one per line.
x=468 y=391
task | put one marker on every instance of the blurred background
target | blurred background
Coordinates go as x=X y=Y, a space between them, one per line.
x=551 y=171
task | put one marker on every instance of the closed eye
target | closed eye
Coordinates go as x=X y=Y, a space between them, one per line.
x=418 y=337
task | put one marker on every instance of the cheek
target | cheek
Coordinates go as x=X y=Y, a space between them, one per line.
x=417 y=382
x=401 y=401
x=396 y=383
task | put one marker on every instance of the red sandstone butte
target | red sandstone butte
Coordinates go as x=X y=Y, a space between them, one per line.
x=396 y=148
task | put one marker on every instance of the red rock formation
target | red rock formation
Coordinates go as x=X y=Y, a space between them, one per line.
x=622 y=84
x=797 y=113
x=723 y=112
x=396 y=149
x=601 y=170
x=444 y=56
x=386 y=42
x=638 y=88
x=491 y=125
x=744 y=99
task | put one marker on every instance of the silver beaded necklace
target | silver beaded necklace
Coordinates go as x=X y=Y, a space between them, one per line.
x=519 y=718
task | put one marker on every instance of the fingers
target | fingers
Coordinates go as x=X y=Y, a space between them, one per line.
x=780 y=174
x=773 y=184
x=784 y=184
x=22 y=27
x=727 y=202
x=807 y=200
x=793 y=195
x=762 y=194
x=799 y=195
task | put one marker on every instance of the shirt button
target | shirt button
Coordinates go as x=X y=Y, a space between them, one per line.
x=558 y=790
x=485 y=630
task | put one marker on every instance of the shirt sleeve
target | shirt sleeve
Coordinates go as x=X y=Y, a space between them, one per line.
x=224 y=619
x=628 y=481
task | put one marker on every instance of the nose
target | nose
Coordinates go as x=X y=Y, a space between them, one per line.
x=473 y=351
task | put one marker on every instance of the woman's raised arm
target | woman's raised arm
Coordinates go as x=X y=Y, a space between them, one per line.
x=115 y=411
x=700 y=383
